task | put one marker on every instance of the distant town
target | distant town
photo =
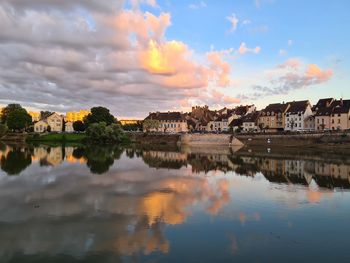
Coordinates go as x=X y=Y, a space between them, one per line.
x=327 y=114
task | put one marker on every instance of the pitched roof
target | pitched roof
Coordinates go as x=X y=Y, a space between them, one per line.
x=236 y=122
x=252 y=117
x=298 y=106
x=342 y=106
x=276 y=108
x=165 y=116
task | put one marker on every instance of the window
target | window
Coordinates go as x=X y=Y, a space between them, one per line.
x=338 y=121
x=332 y=120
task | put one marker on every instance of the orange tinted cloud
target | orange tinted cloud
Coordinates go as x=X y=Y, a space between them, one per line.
x=313 y=71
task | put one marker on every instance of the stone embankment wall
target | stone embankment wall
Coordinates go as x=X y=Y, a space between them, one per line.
x=154 y=138
x=185 y=139
x=295 y=139
x=209 y=139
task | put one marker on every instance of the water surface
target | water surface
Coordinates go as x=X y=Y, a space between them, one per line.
x=107 y=204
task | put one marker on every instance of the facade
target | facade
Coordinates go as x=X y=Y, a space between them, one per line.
x=340 y=117
x=309 y=123
x=251 y=122
x=272 y=118
x=168 y=122
x=296 y=115
x=40 y=126
x=322 y=112
x=55 y=121
x=129 y=122
x=73 y=116
x=220 y=124
x=69 y=127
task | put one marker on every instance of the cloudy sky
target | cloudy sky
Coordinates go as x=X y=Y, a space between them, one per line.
x=137 y=56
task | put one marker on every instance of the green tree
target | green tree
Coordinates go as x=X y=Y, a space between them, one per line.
x=151 y=124
x=15 y=161
x=3 y=129
x=101 y=133
x=45 y=114
x=16 y=117
x=7 y=110
x=78 y=126
x=99 y=114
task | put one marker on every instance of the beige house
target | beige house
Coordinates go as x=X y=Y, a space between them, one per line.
x=168 y=122
x=53 y=123
x=250 y=122
x=73 y=116
x=273 y=117
x=40 y=126
x=322 y=112
x=340 y=118
x=35 y=115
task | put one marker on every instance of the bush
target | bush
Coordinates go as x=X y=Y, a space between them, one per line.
x=3 y=129
x=101 y=133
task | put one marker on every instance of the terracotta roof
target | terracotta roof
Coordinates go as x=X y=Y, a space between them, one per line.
x=165 y=116
x=298 y=106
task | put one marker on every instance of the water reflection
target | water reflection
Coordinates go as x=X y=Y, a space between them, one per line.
x=142 y=201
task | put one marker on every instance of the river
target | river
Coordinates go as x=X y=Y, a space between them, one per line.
x=110 y=204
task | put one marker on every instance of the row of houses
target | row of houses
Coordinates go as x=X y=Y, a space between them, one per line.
x=327 y=114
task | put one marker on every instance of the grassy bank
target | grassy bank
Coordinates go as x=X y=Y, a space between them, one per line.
x=57 y=138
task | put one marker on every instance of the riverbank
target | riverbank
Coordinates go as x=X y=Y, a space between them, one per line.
x=320 y=140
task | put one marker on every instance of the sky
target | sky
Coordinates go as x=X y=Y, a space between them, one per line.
x=140 y=56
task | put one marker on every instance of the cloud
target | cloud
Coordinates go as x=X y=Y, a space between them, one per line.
x=282 y=52
x=291 y=75
x=63 y=55
x=244 y=49
x=234 y=22
x=201 y=4
x=290 y=42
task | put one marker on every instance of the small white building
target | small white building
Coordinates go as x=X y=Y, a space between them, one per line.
x=296 y=115
x=250 y=122
x=69 y=127
x=40 y=126
x=220 y=124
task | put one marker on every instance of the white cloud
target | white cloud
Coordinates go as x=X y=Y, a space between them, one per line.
x=201 y=4
x=244 y=49
x=234 y=22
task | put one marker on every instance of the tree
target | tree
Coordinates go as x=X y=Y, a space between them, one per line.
x=103 y=134
x=15 y=161
x=99 y=114
x=16 y=117
x=3 y=129
x=151 y=124
x=7 y=110
x=45 y=114
x=79 y=126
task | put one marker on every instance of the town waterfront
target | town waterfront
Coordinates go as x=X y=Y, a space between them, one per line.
x=190 y=204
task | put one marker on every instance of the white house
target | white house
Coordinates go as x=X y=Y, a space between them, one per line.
x=40 y=126
x=53 y=123
x=298 y=112
x=69 y=126
x=250 y=122
x=219 y=124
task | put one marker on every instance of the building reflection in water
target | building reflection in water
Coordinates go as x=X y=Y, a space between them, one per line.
x=65 y=210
